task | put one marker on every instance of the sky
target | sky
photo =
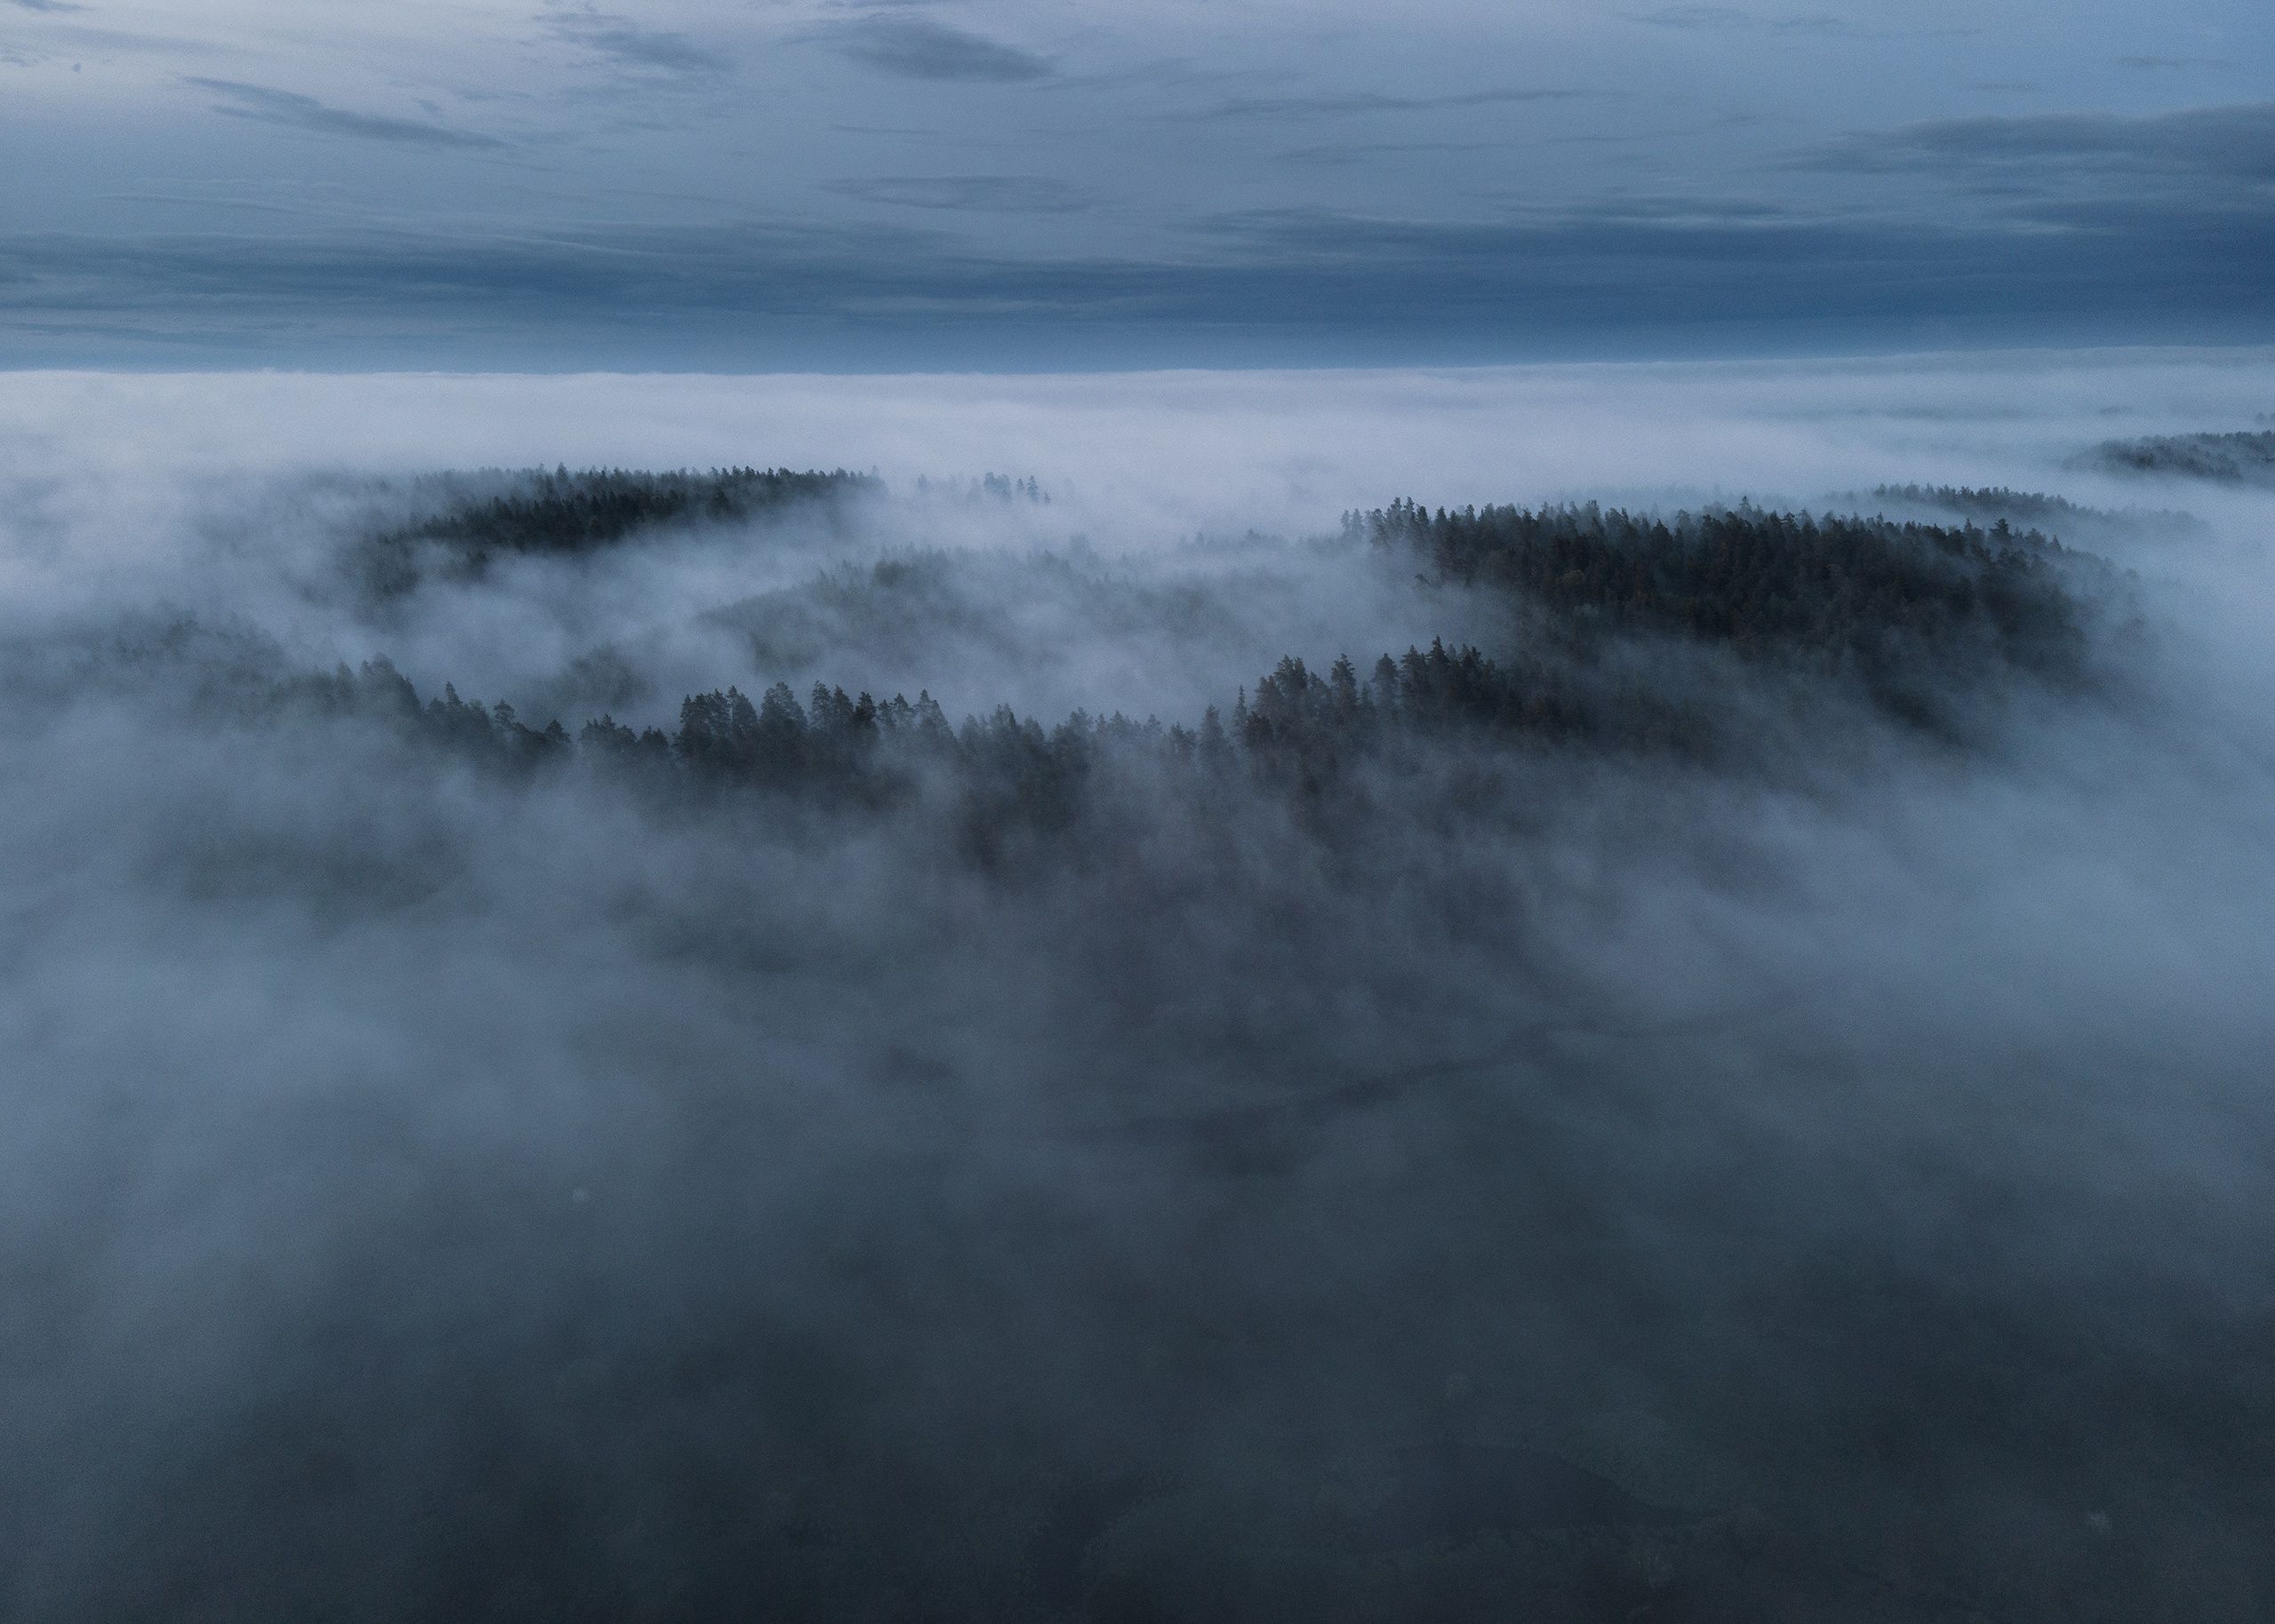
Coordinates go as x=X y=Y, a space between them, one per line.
x=993 y=185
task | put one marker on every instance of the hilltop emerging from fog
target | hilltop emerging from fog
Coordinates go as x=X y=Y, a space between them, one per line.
x=1622 y=631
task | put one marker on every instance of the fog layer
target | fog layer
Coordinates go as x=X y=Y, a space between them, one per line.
x=1816 y=1164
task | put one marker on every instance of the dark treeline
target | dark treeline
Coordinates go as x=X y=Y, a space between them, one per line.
x=998 y=487
x=1296 y=731
x=2243 y=458
x=1909 y=618
x=1988 y=505
x=1851 y=594
x=564 y=512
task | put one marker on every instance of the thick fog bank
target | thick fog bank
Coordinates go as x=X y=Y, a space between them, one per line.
x=1806 y=1154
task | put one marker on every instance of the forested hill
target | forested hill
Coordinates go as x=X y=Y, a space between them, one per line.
x=1988 y=505
x=2246 y=458
x=1870 y=596
x=1674 y=637
x=474 y=517
x=1984 y=505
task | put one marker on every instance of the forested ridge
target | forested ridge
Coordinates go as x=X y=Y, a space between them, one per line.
x=482 y=514
x=1986 y=505
x=2242 y=457
x=1909 y=619
x=1843 y=593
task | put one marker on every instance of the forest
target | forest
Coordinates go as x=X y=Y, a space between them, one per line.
x=1988 y=505
x=1921 y=622
x=475 y=517
x=2240 y=457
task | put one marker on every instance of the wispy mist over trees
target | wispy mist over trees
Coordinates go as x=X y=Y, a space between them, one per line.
x=472 y=518
x=1559 y=1061
x=1674 y=636
x=2030 y=509
x=2243 y=458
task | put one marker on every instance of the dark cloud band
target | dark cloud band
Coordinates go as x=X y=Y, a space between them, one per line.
x=266 y=105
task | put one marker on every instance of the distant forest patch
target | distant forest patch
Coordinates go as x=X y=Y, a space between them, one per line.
x=472 y=518
x=2246 y=458
x=1882 y=600
x=1988 y=505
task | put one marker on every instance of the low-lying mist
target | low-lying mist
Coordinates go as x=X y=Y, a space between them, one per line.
x=1140 y=1005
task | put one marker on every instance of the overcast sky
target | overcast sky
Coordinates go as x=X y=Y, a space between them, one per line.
x=1001 y=184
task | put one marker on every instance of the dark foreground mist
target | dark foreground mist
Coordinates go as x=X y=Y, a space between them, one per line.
x=1545 y=1063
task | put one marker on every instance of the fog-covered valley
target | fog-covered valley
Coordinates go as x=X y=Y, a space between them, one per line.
x=1629 y=992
